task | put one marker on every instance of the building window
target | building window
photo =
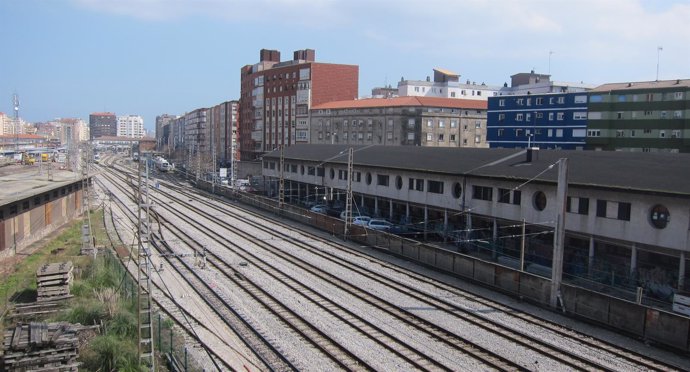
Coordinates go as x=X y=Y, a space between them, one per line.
x=581 y=99
x=561 y=100
x=550 y=116
x=429 y=137
x=559 y=116
x=457 y=190
x=502 y=102
x=677 y=114
x=500 y=133
x=382 y=180
x=539 y=200
x=368 y=178
x=518 y=117
x=518 y=132
x=482 y=193
x=410 y=123
x=501 y=117
x=441 y=124
x=416 y=184
x=662 y=134
x=440 y=137
x=617 y=210
x=529 y=102
x=398 y=182
x=579 y=115
x=517 y=197
x=620 y=133
x=675 y=133
x=503 y=195
x=678 y=95
x=539 y=101
x=577 y=205
x=659 y=216
x=596 y=98
x=647 y=131
x=454 y=123
x=435 y=187
x=520 y=101
x=429 y=123
x=477 y=139
x=342 y=174
x=452 y=137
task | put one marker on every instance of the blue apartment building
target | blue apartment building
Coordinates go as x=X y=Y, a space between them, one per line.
x=547 y=121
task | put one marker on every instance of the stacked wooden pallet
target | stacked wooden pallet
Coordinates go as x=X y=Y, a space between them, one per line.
x=53 y=281
x=33 y=310
x=41 y=347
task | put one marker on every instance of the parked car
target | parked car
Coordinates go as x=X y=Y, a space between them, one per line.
x=354 y=214
x=379 y=224
x=361 y=220
x=319 y=208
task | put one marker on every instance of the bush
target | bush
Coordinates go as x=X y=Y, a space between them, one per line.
x=87 y=313
x=123 y=324
x=110 y=353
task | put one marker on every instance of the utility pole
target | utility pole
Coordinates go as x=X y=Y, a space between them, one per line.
x=281 y=184
x=658 y=56
x=145 y=344
x=348 y=194
x=559 y=232
x=15 y=103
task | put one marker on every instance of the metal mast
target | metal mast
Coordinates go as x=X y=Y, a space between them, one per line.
x=15 y=103
x=145 y=344
x=348 y=194
x=87 y=237
x=281 y=185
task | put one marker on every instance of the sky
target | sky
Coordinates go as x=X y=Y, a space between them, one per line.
x=68 y=58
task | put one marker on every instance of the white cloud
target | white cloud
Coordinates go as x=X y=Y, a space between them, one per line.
x=585 y=34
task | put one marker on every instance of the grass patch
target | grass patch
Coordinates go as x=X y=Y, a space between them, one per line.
x=101 y=296
x=65 y=247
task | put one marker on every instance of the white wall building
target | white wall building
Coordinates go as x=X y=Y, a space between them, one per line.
x=446 y=84
x=130 y=126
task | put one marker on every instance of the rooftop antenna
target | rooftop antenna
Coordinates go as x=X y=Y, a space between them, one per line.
x=658 y=53
x=550 y=53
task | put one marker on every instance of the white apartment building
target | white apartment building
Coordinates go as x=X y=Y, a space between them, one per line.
x=130 y=126
x=446 y=84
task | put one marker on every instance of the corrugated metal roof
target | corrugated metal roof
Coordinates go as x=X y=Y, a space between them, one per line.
x=661 y=84
x=646 y=172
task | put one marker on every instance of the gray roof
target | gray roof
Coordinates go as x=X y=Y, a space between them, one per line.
x=666 y=173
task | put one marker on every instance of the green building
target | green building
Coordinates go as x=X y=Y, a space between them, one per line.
x=640 y=116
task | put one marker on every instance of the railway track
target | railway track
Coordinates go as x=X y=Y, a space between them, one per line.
x=557 y=353
x=578 y=337
x=272 y=359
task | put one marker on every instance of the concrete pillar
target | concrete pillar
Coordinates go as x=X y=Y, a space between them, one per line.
x=426 y=221
x=407 y=211
x=445 y=225
x=390 y=210
x=633 y=260
x=681 y=271
x=494 y=252
x=376 y=205
x=590 y=261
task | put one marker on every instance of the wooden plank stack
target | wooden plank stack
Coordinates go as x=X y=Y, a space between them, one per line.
x=41 y=347
x=53 y=281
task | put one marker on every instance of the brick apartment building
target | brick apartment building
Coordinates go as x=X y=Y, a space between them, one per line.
x=276 y=97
